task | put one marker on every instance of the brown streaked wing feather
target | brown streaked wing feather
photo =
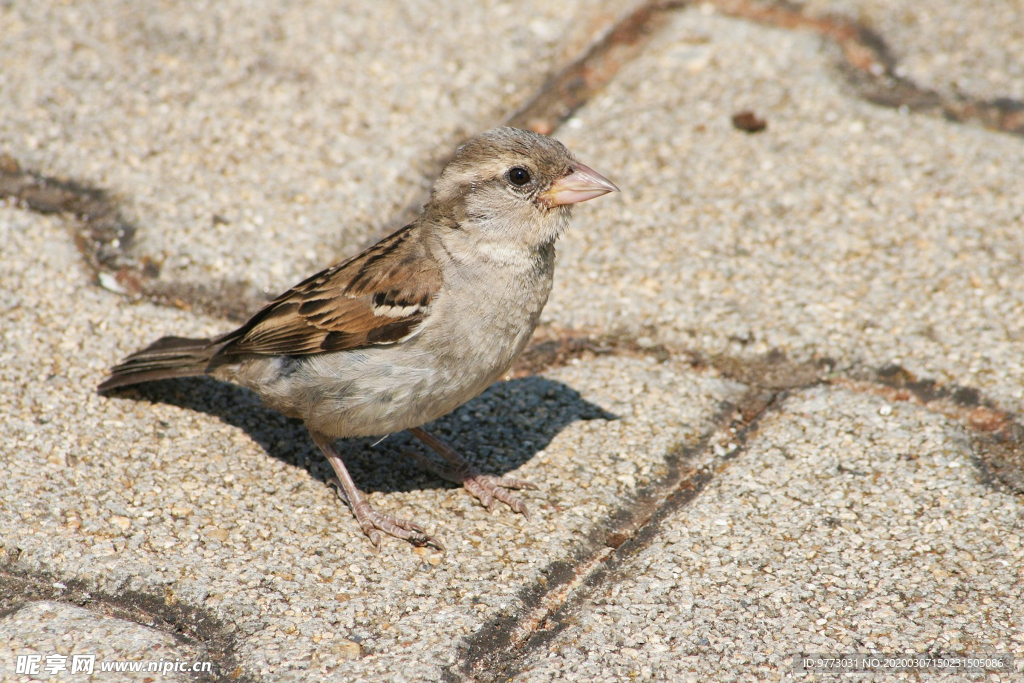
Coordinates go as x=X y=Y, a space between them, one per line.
x=340 y=308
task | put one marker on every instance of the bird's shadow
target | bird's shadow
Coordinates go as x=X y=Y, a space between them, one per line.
x=498 y=431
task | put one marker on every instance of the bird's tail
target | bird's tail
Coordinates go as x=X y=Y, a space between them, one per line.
x=164 y=358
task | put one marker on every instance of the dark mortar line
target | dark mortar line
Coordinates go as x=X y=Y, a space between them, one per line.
x=105 y=237
x=233 y=300
x=493 y=653
x=552 y=348
x=567 y=88
x=494 y=645
x=577 y=83
x=740 y=431
x=1000 y=461
x=499 y=649
x=191 y=626
x=869 y=66
x=997 y=435
x=927 y=390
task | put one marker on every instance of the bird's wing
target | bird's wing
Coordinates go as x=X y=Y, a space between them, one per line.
x=378 y=297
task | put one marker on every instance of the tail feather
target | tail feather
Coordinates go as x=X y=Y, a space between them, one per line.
x=165 y=358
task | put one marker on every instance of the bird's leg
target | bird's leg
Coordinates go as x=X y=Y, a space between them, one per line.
x=484 y=487
x=369 y=519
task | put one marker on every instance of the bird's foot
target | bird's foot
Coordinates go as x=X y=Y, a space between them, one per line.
x=486 y=488
x=373 y=522
x=370 y=521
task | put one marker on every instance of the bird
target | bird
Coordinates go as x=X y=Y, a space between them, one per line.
x=414 y=326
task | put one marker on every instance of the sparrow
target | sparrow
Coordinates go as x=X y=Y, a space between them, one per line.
x=414 y=326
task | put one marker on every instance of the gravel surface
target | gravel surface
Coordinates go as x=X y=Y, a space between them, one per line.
x=254 y=144
x=203 y=497
x=57 y=632
x=844 y=230
x=849 y=525
x=257 y=142
x=972 y=48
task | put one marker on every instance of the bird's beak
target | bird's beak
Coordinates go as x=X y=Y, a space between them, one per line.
x=582 y=184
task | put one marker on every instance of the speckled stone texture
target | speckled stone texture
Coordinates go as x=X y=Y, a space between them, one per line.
x=57 y=631
x=843 y=231
x=192 y=491
x=965 y=47
x=848 y=525
x=254 y=143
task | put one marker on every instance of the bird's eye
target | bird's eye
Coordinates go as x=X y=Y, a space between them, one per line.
x=518 y=176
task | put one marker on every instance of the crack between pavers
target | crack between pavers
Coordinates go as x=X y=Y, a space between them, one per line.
x=870 y=67
x=570 y=86
x=105 y=237
x=997 y=435
x=577 y=83
x=193 y=627
x=499 y=650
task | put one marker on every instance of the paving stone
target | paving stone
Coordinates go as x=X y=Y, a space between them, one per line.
x=257 y=142
x=964 y=47
x=849 y=525
x=47 y=628
x=843 y=230
x=200 y=496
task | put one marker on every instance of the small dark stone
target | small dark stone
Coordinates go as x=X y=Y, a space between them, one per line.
x=748 y=121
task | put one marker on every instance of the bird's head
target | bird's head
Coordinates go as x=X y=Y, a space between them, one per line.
x=515 y=186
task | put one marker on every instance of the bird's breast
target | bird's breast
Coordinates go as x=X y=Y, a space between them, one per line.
x=483 y=322
x=475 y=329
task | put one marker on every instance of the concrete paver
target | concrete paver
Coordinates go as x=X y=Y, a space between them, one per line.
x=844 y=230
x=849 y=525
x=970 y=48
x=57 y=631
x=254 y=144
x=210 y=500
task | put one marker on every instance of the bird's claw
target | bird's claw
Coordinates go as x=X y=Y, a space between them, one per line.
x=373 y=522
x=486 y=488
